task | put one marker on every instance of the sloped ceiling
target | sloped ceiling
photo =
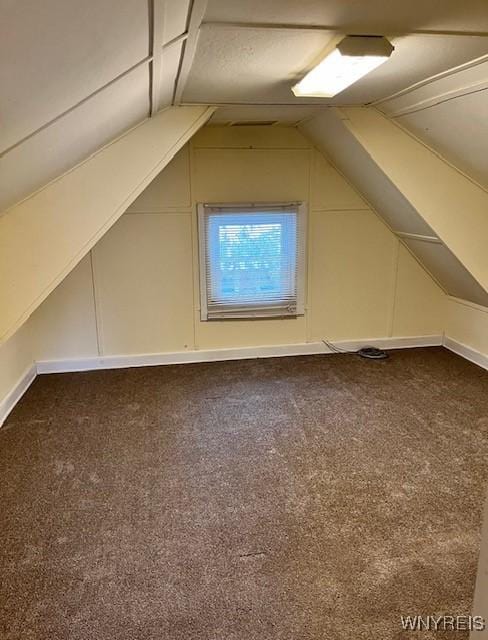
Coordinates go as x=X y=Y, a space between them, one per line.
x=450 y=115
x=46 y=235
x=75 y=75
x=353 y=156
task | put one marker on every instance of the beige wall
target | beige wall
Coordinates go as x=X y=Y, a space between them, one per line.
x=138 y=290
x=467 y=324
x=66 y=321
x=16 y=358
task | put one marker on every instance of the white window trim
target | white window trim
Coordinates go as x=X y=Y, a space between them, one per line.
x=301 y=265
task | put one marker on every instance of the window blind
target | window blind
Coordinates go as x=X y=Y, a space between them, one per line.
x=251 y=260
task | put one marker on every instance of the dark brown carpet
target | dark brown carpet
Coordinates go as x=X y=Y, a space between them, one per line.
x=287 y=499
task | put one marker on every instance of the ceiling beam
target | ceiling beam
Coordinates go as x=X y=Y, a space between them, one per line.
x=350 y=29
x=197 y=12
x=412 y=187
x=157 y=39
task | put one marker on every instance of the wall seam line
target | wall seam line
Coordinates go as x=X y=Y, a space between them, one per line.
x=98 y=323
x=391 y=322
x=191 y=168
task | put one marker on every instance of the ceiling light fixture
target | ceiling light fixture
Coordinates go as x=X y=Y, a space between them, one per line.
x=352 y=58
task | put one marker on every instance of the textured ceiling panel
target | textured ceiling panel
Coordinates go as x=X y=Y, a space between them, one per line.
x=234 y=65
x=69 y=140
x=250 y=65
x=54 y=54
x=372 y=16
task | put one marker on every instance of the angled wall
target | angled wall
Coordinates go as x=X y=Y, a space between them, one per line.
x=436 y=211
x=45 y=236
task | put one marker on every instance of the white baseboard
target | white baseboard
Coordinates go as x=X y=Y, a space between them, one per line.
x=391 y=343
x=212 y=355
x=241 y=353
x=481 y=359
x=18 y=390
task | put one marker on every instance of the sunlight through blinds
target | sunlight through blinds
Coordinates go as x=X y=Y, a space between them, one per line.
x=252 y=260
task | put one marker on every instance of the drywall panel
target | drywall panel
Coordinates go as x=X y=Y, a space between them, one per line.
x=45 y=236
x=170 y=189
x=458 y=130
x=74 y=137
x=15 y=359
x=330 y=190
x=250 y=137
x=143 y=279
x=54 y=54
x=64 y=326
x=328 y=132
x=221 y=334
x=467 y=324
x=251 y=175
x=352 y=262
x=447 y=270
x=419 y=302
x=175 y=18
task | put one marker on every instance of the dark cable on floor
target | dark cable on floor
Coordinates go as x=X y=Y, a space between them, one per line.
x=336 y=349
x=370 y=353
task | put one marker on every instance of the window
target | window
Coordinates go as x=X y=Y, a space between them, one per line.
x=252 y=260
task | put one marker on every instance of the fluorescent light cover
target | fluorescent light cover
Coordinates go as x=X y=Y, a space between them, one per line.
x=339 y=70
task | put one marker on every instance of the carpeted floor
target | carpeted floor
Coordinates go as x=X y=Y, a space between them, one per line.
x=302 y=498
